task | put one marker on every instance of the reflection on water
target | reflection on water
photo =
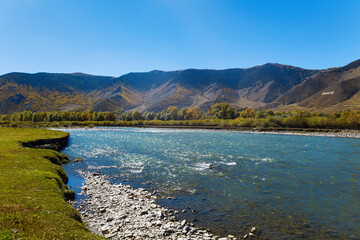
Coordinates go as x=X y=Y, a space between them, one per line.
x=290 y=187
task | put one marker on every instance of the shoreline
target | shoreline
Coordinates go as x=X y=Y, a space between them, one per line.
x=280 y=131
x=290 y=132
x=34 y=195
x=119 y=211
x=340 y=134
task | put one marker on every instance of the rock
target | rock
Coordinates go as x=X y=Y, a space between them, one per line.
x=160 y=214
x=105 y=229
x=168 y=232
x=79 y=159
x=186 y=229
x=183 y=223
x=145 y=212
x=193 y=231
x=110 y=235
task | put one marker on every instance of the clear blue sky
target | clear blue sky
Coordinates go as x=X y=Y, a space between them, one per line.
x=114 y=37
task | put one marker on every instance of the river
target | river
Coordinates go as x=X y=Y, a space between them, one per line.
x=293 y=187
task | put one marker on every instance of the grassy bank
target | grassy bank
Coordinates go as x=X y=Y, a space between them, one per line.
x=33 y=190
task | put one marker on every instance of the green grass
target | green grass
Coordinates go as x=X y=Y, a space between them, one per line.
x=32 y=190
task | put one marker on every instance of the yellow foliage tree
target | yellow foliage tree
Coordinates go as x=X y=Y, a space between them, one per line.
x=193 y=114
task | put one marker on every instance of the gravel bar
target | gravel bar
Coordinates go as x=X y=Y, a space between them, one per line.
x=119 y=211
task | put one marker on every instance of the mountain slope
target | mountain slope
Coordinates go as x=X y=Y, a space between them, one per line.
x=240 y=87
x=325 y=88
x=266 y=86
x=47 y=92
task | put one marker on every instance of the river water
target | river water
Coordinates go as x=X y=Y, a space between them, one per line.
x=290 y=187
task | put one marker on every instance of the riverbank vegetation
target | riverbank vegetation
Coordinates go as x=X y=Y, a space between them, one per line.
x=220 y=115
x=33 y=189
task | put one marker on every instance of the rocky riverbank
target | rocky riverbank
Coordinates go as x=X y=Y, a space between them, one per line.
x=54 y=144
x=341 y=134
x=118 y=211
x=288 y=131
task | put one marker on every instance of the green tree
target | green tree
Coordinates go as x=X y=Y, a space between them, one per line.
x=173 y=112
x=182 y=113
x=136 y=115
x=126 y=116
x=148 y=115
x=221 y=111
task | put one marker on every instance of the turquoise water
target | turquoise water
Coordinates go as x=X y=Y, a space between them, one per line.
x=293 y=187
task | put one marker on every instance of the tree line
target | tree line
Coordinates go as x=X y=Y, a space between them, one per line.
x=58 y=116
x=219 y=114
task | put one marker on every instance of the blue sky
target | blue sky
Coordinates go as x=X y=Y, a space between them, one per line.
x=114 y=37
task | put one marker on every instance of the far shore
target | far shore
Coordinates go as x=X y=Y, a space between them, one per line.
x=278 y=131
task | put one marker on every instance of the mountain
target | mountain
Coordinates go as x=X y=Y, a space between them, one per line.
x=267 y=86
x=156 y=90
x=47 y=91
x=330 y=89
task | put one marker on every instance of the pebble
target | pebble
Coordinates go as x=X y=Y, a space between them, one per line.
x=183 y=223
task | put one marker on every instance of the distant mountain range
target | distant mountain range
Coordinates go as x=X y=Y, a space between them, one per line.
x=270 y=85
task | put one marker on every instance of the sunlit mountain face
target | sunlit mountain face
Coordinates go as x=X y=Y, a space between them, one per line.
x=273 y=86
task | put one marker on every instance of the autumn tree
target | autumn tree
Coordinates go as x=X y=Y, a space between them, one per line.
x=248 y=113
x=221 y=111
x=173 y=112
x=193 y=114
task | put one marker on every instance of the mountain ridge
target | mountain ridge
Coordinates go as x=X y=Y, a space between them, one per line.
x=270 y=85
